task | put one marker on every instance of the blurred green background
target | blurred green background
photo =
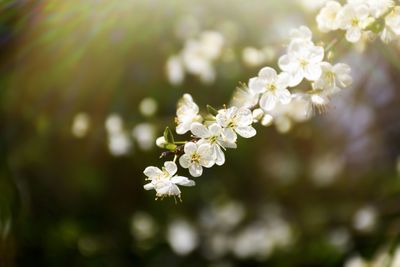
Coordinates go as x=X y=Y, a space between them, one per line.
x=320 y=193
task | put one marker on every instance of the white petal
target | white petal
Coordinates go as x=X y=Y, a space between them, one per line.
x=182 y=128
x=268 y=101
x=268 y=74
x=148 y=186
x=215 y=129
x=296 y=78
x=152 y=172
x=283 y=80
x=205 y=151
x=220 y=156
x=246 y=132
x=226 y=144
x=313 y=72
x=229 y=135
x=185 y=161
x=195 y=170
x=353 y=35
x=171 y=167
x=256 y=85
x=284 y=96
x=181 y=180
x=190 y=148
x=244 y=117
x=199 y=130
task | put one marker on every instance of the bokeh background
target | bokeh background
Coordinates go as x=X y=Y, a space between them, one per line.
x=87 y=86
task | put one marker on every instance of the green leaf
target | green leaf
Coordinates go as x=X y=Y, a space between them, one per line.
x=212 y=110
x=169 y=137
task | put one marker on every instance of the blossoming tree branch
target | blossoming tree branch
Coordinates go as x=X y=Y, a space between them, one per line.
x=307 y=78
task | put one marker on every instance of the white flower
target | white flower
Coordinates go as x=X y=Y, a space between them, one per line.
x=272 y=87
x=213 y=136
x=235 y=121
x=302 y=33
x=327 y=17
x=392 y=25
x=333 y=78
x=174 y=70
x=244 y=97
x=379 y=7
x=80 y=125
x=196 y=157
x=164 y=181
x=186 y=114
x=353 y=18
x=303 y=60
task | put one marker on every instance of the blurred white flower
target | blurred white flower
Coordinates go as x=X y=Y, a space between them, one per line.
x=333 y=78
x=182 y=237
x=143 y=226
x=186 y=114
x=325 y=169
x=196 y=157
x=119 y=143
x=313 y=4
x=144 y=133
x=354 y=18
x=114 y=123
x=80 y=125
x=175 y=70
x=365 y=219
x=253 y=57
x=327 y=17
x=244 y=97
x=356 y=261
x=148 y=106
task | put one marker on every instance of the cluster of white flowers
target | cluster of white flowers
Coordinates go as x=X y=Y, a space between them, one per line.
x=357 y=18
x=306 y=79
x=266 y=98
x=196 y=58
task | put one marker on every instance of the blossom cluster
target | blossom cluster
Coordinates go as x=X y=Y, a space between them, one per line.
x=361 y=18
x=196 y=58
x=263 y=99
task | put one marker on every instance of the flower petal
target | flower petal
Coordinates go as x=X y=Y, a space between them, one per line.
x=152 y=172
x=256 y=85
x=171 y=167
x=185 y=161
x=229 y=135
x=199 y=130
x=195 y=170
x=190 y=148
x=181 y=180
x=148 y=186
x=268 y=101
x=246 y=132
x=268 y=74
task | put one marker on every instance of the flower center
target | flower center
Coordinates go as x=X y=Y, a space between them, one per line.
x=303 y=63
x=195 y=157
x=271 y=87
x=354 y=22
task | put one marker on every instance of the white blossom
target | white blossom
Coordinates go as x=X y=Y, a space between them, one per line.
x=354 y=18
x=213 y=136
x=196 y=157
x=327 y=17
x=272 y=87
x=236 y=121
x=164 y=181
x=303 y=60
x=333 y=78
x=175 y=71
x=186 y=114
